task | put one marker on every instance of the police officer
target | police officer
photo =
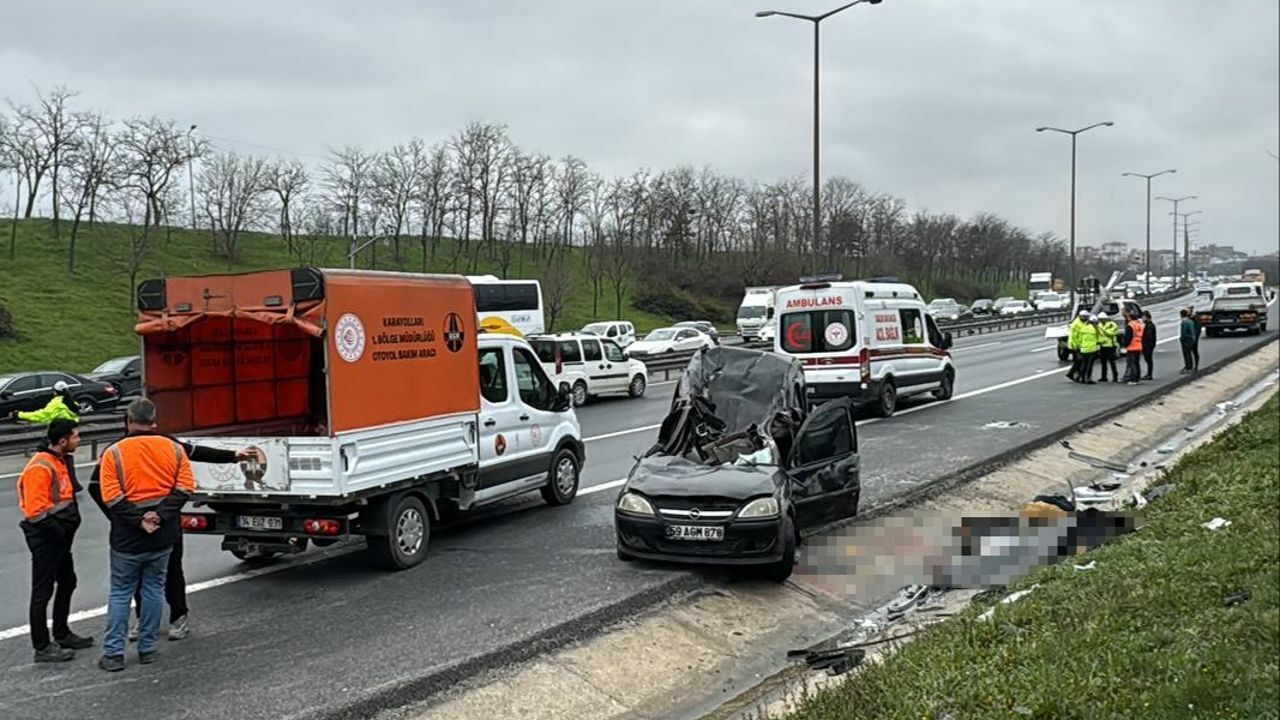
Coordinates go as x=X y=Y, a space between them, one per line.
x=1108 y=339
x=47 y=491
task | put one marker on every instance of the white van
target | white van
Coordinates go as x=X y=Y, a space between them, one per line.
x=755 y=312
x=619 y=331
x=872 y=341
x=590 y=366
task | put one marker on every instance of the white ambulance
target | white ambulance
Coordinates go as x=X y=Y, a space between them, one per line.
x=873 y=341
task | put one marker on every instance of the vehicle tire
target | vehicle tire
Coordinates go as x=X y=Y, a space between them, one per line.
x=85 y=405
x=887 y=402
x=779 y=572
x=258 y=558
x=637 y=387
x=1064 y=355
x=562 y=478
x=1212 y=332
x=408 y=528
x=579 y=394
x=948 y=386
x=624 y=556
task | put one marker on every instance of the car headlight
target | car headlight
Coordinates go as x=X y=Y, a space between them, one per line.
x=759 y=509
x=634 y=504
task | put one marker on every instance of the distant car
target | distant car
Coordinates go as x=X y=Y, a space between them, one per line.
x=1204 y=288
x=1052 y=302
x=706 y=327
x=123 y=372
x=768 y=332
x=946 y=310
x=1016 y=307
x=982 y=307
x=621 y=332
x=667 y=341
x=1001 y=302
x=24 y=392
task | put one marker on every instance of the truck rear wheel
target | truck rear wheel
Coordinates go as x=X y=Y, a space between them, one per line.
x=562 y=478
x=408 y=530
x=1064 y=355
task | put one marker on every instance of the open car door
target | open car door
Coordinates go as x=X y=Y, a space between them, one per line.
x=824 y=470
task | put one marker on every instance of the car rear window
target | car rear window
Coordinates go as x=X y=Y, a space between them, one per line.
x=545 y=349
x=818 y=331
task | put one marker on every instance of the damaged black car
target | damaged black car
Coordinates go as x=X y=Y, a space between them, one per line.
x=741 y=467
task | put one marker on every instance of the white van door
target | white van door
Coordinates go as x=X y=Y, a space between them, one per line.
x=916 y=367
x=604 y=374
x=501 y=423
x=536 y=398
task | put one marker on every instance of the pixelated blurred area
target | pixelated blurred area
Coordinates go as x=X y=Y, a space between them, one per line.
x=953 y=551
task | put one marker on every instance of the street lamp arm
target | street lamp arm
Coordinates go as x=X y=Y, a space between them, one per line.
x=1178 y=200
x=1104 y=123
x=781 y=13
x=842 y=8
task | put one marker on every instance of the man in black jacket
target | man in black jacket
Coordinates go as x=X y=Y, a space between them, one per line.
x=140 y=418
x=1148 y=342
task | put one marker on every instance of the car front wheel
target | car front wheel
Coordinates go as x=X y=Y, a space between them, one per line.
x=86 y=405
x=637 y=387
x=562 y=482
x=782 y=569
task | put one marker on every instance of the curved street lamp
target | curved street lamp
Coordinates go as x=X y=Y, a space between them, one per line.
x=1073 y=134
x=1175 y=202
x=817 y=183
x=1149 y=178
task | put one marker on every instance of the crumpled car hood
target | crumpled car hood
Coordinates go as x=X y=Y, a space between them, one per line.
x=669 y=476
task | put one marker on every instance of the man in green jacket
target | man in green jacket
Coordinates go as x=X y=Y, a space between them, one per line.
x=1108 y=342
x=1189 y=338
x=59 y=407
x=1088 y=349
x=1073 y=345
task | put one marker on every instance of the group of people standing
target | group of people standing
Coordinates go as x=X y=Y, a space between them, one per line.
x=1097 y=339
x=140 y=484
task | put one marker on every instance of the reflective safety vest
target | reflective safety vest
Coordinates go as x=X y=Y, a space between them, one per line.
x=144 y=470
x=1088 y=342
x=1108 y=332
x=1073 y=333
x=1135 y=343
x=45 y=487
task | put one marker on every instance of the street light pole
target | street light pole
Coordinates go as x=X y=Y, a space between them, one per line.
x=1186 y=242
x=191 y=181
x=1175 y=202
x=1149 y=178
x=1073 y=134
x=817 y=175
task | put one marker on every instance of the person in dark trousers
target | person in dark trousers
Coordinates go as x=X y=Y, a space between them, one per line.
x=47 y=491
x=1148 y=343
x=1132 y=343
x=140 y=418
x=1108 y=337
x=1189 y=338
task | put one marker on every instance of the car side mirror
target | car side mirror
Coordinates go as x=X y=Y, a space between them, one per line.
x=626 y=356
x=5 y=395
x=564 y=399
x=947 y=342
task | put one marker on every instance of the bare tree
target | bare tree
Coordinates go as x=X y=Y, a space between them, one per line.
x=234 y=192
x=154 y=150
x=29 y=154
x=435 y=200
x=137 y=208
x=556 y=283
x=397 y=178
x=288 y=181
x=528 y=175
x=91 y=167
x=58 y=130
x=346 y=180
x=571 y=193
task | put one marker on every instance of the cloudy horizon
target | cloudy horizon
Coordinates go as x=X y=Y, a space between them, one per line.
x=932 y=101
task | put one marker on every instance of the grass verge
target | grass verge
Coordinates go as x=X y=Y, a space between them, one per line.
x=1144 y=635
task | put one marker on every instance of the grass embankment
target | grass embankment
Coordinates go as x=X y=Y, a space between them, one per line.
x=74 y=322
x=1144 y=635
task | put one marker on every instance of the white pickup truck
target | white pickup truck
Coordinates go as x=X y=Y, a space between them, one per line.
x=372 y=404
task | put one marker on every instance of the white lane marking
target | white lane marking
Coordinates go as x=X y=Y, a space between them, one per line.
x=1050 y=347
x=602 y=487
x=976 y=347
x=622 y=433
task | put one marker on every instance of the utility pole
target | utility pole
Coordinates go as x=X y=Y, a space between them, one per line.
x=1073 y=134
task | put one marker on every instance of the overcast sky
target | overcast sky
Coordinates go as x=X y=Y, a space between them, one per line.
x=934 y=101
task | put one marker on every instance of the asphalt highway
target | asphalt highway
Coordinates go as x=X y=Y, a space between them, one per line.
x=323 y=628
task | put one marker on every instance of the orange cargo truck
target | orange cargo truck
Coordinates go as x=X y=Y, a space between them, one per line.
x=372 y=402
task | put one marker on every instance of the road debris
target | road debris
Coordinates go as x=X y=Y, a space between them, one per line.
x=1159 y=491
x=1237 y=598
x=1166 y=449
x=1092 y=564
x=1013 y=598
x=1005 y=425
x=1098 y=462
x=1215 y=524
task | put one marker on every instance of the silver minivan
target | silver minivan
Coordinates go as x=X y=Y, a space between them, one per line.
x=621 y=332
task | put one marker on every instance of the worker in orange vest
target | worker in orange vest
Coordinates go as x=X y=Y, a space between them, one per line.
x=47 y=491
x=1133 y=332
x=145 y=480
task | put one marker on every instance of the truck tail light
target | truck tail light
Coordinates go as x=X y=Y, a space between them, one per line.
x=195 y=522
x=321 y=526
x=864 y=362
x=109 y=389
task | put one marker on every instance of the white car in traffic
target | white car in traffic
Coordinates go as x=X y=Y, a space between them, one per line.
x=1052 y=301
x=1016 y=307
x=619 y=331
x=670 y=340
x=589 y=366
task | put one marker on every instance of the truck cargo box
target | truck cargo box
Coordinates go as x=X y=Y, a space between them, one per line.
x=343 y=380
